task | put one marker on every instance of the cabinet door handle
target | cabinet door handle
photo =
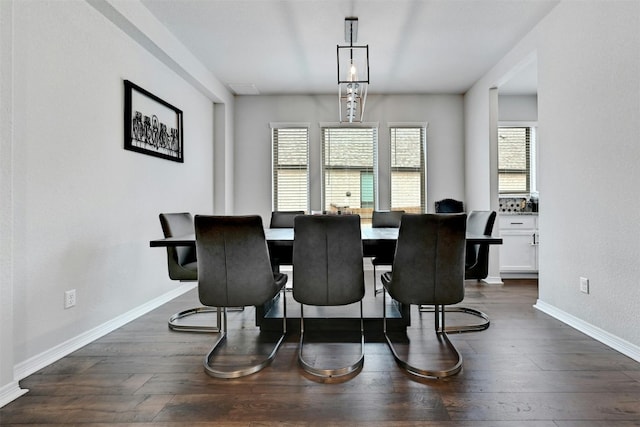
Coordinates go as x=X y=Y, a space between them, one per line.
x=535 y=242
x=517 y=223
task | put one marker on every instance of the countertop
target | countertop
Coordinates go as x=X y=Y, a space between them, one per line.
x=517 y=213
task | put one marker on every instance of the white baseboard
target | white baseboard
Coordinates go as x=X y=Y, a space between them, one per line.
x=11 y=392
x=34 y=364
x=616 y=343
x=512 y=275
x=491 y=280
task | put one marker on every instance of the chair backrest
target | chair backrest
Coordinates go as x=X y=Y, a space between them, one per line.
x=449 y=206
x=327 y=260
x=479 y=222
x=386 y=218
x=428 y=267
x=233 y=261
x=179 y=224
x=283 y=219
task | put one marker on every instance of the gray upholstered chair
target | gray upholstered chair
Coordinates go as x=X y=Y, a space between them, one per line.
x=328 y=271
x=182 y=265
x=476 y=267
x=449 y=206
x=428 y=269
x=283 y=219
x=477 y=259
x=234 y=271
x=384 y=250
x=282 y=254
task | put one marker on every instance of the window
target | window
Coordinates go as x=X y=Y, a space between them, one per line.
x=408 y=169
x=290 y=149
x=348 y=163
x=515 y=145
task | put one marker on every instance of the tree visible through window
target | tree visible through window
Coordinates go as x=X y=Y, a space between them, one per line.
x=408 y=170
x=290 y=148
x=348 y=156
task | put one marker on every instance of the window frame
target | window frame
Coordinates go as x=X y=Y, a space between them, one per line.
x=531 y=150
x=276 y=127
x=374 y=128
x=422 y=169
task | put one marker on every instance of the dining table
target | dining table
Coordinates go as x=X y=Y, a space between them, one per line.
x=269 y=316
x=370 y=236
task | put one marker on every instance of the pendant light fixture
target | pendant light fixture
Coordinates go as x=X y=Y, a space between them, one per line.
x=353 y=74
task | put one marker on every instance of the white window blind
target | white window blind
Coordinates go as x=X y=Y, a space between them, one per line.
x=290 y=148
x=348 y=165
x=514 y=160
x=408 y=169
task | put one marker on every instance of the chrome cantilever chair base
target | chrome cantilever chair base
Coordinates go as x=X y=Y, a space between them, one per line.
x=376 y=290
x=237 y=372
x=174 y=325
x=177 y=326
x=333 y=372
x=461 y=328
x=441 y=334
x=226 y=370
x=425 y=373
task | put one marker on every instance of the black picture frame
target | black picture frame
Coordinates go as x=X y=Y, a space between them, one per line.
x=152 y=126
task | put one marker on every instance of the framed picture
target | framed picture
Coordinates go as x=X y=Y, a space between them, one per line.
x=151 y=126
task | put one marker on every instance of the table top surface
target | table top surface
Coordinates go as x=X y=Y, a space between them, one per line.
x=369 y=235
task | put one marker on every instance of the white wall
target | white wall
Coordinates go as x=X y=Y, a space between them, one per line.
x=483 y=108
x=445 y=149
x=9 y=387
x=589 y=122
x=477 y=148
x=588 y=56
x=83 y=208
x=518 y=108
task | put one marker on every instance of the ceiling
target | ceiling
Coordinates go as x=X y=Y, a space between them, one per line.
x=289 y=46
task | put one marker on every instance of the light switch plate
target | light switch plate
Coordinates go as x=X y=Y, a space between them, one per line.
x=584 y=285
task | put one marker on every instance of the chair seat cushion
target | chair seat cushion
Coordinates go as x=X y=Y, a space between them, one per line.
x=192 y=266
x=186 y=272
x=280 y=279
x=386 y=277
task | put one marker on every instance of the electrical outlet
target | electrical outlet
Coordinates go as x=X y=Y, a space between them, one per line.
x=69 y=298
x=584 y=285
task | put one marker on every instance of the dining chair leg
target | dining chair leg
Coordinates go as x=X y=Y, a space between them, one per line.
x=376 y=289
x=441 y=335
x=176 y=325
x=224 y=368
x=466 y=310
x=331 y=372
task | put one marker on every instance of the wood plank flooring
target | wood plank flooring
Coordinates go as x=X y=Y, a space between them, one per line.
x=527 y=369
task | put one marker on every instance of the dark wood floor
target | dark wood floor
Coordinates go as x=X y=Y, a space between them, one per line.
x=527 y=369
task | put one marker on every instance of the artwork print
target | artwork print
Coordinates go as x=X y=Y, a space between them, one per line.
x=151 y=126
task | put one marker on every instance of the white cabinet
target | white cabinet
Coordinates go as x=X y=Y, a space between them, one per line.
x=520 y=240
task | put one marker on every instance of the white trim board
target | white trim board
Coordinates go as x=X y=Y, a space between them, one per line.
x=594 y=332
x=11 y=392
x=493 y=280
x=46 y=358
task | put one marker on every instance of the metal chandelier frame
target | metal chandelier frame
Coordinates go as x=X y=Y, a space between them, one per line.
x=353 y=74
